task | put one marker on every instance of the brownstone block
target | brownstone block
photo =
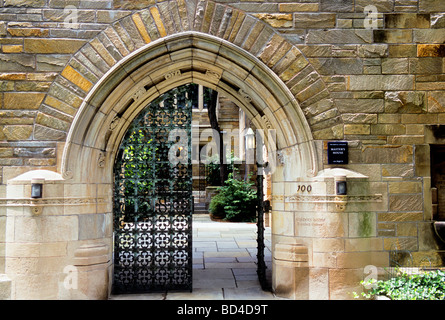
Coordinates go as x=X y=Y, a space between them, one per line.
x=12 y=76
x=419 y=118
x=400 y=243
x=407 y=139
x=25 y=3
x=28 y=32
x=388 y=129
x=132 y=4
x=393 y=36
x=344 y=281
x=403 y=202
x=103 y=52
x=387 y=154
x=405 y=187
x=357 y=129
x=270 y=49
x=76 y=78
x=141 y=27
x=12 y=48
x=17 y=132
x=407 y=229
x=314 y=20
x=402 y=50
x=407 y=20
x=52 y=122
x=297 y=7
x=431 y=50
x=23 y=100
x=52 y=45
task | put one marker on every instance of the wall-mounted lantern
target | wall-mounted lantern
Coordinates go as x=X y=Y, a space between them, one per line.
x=250 y=139
x=340 y=185
x=37 y=188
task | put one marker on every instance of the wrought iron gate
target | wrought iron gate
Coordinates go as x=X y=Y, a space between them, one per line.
x=153 y=202
x=261 y=264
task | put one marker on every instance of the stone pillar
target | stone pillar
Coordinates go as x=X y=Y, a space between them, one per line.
x=5 y=282
x=338 y=230
x=59 y=242
x=291 y=276
x=37 y=235
x=5 y=287
x=90 y=274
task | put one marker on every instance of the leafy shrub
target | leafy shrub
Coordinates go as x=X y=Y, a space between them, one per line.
x=213 y=168
x=422 y=286
x=235 y=201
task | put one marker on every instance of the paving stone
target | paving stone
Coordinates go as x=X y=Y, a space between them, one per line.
x=151 y=296
x=197 y=294
x=247 y=294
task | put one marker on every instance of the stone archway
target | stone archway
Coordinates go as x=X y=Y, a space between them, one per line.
x=188 y=57
x=108 y=82
x=171 y=62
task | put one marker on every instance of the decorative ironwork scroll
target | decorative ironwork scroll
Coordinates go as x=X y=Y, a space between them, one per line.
x=153 y=202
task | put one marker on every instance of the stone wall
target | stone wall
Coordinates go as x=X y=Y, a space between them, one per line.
x=374 y=76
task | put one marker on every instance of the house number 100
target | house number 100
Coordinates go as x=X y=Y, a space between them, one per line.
x=304 y=188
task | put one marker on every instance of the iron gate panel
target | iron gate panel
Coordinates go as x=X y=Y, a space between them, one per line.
x=261 y=264
x=153 y=201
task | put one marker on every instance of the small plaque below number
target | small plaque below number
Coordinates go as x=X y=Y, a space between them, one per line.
x=337 y=153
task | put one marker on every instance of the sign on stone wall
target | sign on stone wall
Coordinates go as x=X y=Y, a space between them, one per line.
x=337 y=152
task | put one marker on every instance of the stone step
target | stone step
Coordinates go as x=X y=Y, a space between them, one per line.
x=200 y=208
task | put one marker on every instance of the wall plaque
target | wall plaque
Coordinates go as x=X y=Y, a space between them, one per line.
x=337 y=152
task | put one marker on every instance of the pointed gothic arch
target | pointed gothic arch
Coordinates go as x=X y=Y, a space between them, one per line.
x=255 y=50
x=117 y=99
x=111 y=78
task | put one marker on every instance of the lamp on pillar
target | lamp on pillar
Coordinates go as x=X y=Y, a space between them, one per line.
x=250 y=139
x=340 y=185
x=249 y=144
x=37 y=188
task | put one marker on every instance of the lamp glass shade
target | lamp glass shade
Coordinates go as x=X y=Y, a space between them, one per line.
x=341 y=188
x=36 y=190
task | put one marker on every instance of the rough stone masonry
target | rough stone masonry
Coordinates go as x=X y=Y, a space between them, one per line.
x=370 y=72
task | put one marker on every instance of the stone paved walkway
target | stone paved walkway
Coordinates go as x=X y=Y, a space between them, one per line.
x=224 y=263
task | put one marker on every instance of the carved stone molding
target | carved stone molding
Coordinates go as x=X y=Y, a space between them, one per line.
x=37 y=210
x=101 y=160
x=139 y=93
x=245 y=95
x=67 y=174
x=267 y=122
x=280 y=157
x=329 y=198
x=172 y=74
x=71 y=201
x=213 y=74
x=114 y=123
x=335 y=198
